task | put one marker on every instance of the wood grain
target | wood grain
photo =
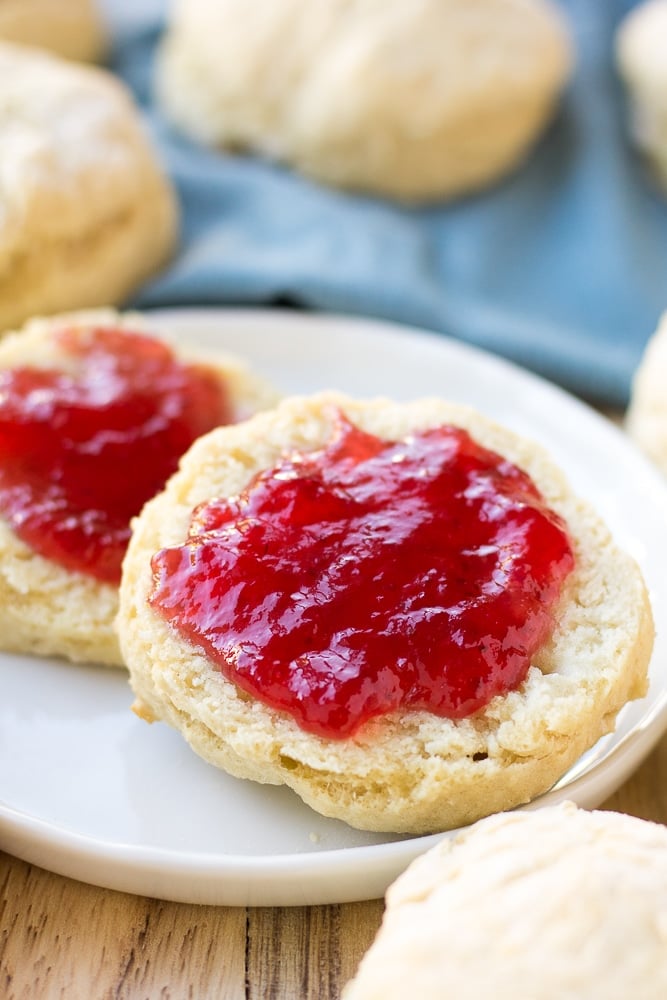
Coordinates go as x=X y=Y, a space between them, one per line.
x=60 y=938
x=63 y=939
x=67 y=941
x=319 y=949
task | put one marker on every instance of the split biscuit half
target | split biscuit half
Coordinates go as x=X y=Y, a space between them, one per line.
x=49 y=610
x=411 y=771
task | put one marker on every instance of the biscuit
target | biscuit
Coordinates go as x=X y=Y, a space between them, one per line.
x=422 y=100
x=86 y=213
x=646 y=419
x=641 y=42
x=70 y=28
x=409 y=771
x=45 y=608
x=529 y=906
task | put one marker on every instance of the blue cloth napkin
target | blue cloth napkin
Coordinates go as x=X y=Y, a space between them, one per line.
x=562 y=267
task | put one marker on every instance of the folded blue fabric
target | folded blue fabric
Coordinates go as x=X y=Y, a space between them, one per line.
x=562 y=267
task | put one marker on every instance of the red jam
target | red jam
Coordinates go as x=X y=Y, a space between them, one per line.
x=371 y=576
x=82 y=450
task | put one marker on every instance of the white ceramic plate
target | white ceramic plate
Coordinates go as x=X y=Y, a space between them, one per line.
x=90 y=791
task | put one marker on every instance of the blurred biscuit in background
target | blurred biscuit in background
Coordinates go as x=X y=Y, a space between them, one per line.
x=646 y=420
x=641 y=54
x=70 y=28
x=417 y=99
x=86 y=213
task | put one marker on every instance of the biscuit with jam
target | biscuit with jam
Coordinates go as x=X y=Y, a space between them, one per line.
x=87 y=212
x=534 y=906
x=401 y=611
x=94 y=414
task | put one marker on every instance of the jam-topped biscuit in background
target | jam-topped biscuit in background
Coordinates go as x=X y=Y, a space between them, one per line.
x=95 y=413
x=401 y=611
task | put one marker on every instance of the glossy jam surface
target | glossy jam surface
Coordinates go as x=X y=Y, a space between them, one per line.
x=82 y=449
x=371 y=576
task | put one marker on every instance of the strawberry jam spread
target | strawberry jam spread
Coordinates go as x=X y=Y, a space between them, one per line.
x=371 y=576
x=82 y=449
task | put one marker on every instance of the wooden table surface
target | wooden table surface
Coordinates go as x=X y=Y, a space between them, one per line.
x=60 y=938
